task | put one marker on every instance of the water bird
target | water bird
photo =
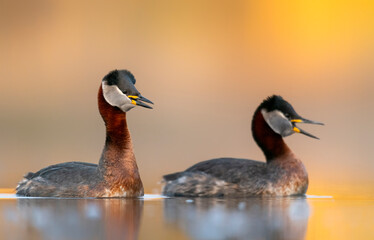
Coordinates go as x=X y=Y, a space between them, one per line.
x=283 y=174
x=116 y=174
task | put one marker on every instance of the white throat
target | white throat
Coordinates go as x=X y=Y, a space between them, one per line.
x=278 y=122
x=115 y=97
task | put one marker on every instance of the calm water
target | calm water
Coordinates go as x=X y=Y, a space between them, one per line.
x=154 y=217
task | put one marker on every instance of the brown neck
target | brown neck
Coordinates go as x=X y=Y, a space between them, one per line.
x=271 y=143
x=117 y=162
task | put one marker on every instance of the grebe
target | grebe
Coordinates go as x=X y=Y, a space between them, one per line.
x=117 y=173
x=283 y=174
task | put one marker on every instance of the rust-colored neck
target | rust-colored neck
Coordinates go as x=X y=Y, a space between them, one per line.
x=271 y=143
x=117 y=162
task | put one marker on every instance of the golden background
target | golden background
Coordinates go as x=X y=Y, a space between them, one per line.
x=206 y=65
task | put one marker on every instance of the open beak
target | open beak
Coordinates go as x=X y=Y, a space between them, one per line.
x=303 y=120
x=139 y=101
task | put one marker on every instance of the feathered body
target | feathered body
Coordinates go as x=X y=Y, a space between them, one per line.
x=116 y=175
x=283 y=174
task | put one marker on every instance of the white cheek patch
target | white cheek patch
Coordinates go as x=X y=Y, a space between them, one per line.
x=278 y=122
x=116 y=97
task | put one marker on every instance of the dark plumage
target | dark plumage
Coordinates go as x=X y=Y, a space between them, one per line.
x=282 y=175
x=113 y=77
x=117 y=173
x=61 y=180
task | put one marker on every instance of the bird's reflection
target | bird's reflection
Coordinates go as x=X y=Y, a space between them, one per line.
x=275 y=218
x=80 y=218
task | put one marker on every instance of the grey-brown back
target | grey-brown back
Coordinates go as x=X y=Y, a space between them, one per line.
x=65 y=179
x=217 y=178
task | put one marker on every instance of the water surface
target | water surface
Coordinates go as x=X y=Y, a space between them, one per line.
x=155 y=217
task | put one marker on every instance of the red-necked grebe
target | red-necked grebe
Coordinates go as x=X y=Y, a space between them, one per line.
x=283 y=174
x=117 y=173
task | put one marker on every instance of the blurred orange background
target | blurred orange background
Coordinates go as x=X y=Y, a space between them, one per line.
x=206 y=65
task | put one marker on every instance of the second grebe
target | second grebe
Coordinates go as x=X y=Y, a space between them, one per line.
x=283 y=174
x=117 y=173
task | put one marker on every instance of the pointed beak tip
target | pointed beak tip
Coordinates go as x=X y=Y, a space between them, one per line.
x=303 y=120
x=141 y=98
x=310 y=135
x=299 y=130
x=144 y=105
x=142 y=102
